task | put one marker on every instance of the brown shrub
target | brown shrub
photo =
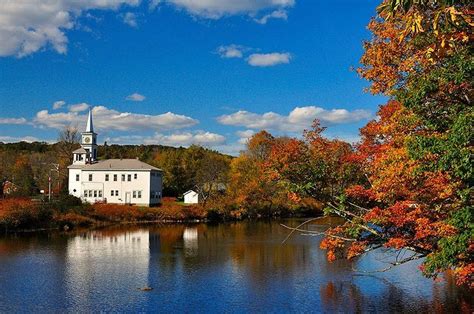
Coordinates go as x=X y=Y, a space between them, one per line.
x=16 y=213
x=73 y=220
x=171 y=210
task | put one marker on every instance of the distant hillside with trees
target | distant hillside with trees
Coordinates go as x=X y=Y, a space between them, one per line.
x=28 y=165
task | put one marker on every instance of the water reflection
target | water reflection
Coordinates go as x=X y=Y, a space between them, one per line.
x=237 y=267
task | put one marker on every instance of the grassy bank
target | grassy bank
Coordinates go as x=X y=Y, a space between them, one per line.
x=69 y=212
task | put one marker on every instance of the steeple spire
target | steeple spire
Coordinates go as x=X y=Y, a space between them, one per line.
x=90 y=126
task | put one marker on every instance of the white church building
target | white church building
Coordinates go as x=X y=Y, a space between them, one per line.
x=118 y=181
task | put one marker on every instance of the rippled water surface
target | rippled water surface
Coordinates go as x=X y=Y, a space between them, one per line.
x=237 y=267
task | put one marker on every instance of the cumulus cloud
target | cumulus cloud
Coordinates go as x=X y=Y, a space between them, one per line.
x=13 y=139
x=58 y=104
x=13 y=121
x=110 y=119
x=244 y=136
x=79 y=107
x=27 y=26
x=130 y=19
x=231 y=51
x=268 y=59
x=135 y=97
x=175 y=139
x=297 y=120
x=277 y=14
x=214 y=9
x=153 y=4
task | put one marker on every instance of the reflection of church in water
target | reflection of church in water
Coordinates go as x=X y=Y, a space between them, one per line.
x=89 y=254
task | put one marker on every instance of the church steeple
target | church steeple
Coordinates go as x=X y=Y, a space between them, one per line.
x=89 y=140
x=90 y=126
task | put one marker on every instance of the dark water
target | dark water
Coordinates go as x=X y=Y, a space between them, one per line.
x=239 y=267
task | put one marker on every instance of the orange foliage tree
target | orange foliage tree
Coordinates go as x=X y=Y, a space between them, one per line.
x=417 y=154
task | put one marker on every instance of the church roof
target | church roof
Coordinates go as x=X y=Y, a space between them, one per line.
x=116 y=164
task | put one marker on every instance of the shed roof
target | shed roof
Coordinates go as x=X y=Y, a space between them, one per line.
x=190 y=191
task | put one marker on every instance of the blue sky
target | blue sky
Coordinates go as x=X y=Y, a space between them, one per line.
x=177 y=72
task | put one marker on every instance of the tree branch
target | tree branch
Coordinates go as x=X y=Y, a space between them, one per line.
x=413 y=257
x=315 y=233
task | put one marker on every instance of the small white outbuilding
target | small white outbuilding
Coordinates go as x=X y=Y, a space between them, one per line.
x=191 y=197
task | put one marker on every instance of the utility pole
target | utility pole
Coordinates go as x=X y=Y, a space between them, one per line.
x=49 y=187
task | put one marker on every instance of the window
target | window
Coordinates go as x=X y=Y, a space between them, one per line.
x=95 y=193
x=90 y=193
x=135 y=176
x=134 y=195
x=123 y=177
x=90 y=177
x=116 y=192
x=129 y=177
x=139 y=194
x=77 y=177
x=115 y=177
x=85 y=193
x=100 y=193
x=106 y=177
x=111 y=192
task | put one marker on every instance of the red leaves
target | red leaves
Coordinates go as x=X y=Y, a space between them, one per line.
x=332 y=245
x=356 y=248
x=361 y=194
x=396 y=243
x=465 y=275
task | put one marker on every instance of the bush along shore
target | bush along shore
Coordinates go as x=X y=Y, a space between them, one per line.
x=68 y=212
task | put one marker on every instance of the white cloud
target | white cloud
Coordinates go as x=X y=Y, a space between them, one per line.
x=58 y=104
x=214 y=9
x=130 y=19
x=244 y=136
x=277 y=14
x=27 y=26
x=268 y=59
x=79 y=107
x=231 y=51
x=13 y=139
x=297 y=120
x=13 y=121
x=135 y=97
x=175 y=139
x=230 y=149
x=153 y=4
x=110 y=119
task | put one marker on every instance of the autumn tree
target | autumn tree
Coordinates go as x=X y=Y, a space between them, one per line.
x=417 y=154
x=212 y=176
x=314 y=166
x=22 y=177
x=250 y=186
x=68 y=141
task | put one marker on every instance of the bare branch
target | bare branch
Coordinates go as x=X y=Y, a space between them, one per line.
x=299 y=226
x=314 y=233
x=413 y=257
x=342 y=212
x=359 y=207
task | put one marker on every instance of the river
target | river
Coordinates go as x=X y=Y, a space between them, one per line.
x=234 y=267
